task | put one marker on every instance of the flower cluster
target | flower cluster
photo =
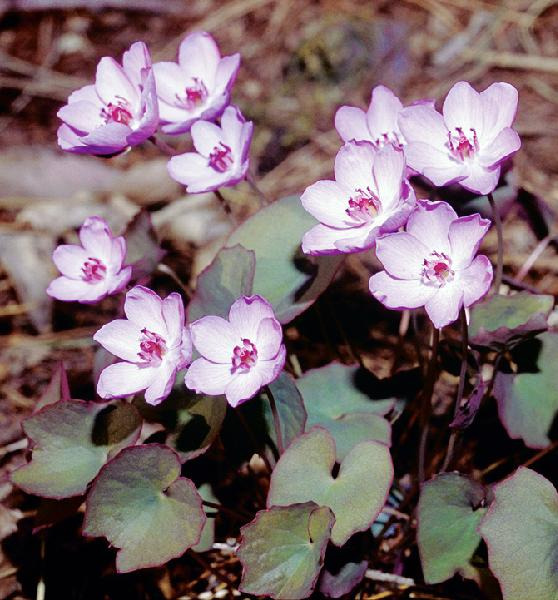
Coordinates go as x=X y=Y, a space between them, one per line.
x=129 y=102
x=432 y=263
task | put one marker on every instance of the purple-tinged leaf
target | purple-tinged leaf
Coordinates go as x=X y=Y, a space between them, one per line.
x=350 y=575
x=505 y=320
x=144 y=508
x=57 y=389
x=356 y=495
x=229 y=276
x=528 y=402
x=469 y=407
x=449 y=511
x=521 y=532
x=143 y=251
x=282 y=550
x=287 y=278
x=72 y=440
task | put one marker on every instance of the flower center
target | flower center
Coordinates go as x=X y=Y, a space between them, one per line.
x=462 y=146
x=119 y=112
x=93 y=270
x=221 y=158
x=364 y=205
x=152 y=347
x=195 y=94
x=244 y=357
x=437 y=269
x=388 y=137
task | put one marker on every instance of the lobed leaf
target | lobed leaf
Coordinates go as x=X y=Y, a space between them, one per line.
x=333 y=401
x=282 y=550
x=521 y=532
x=356 y=495
x=528 y=402
x=286 y=277
x=144 y=508
x=500 y=321
x=72 y=441
x=449 y=511
x=229 y=276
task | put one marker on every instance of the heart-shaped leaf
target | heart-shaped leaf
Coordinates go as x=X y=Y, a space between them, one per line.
x=350 y=575
x=449 y=511
x=521 y=532
x=143 y=251
x=504 y=320
x=229 y=276
x=142 y=506
x=286 y=277
x=282 y=550
x=528 y=402
x=356 y=495
x=72 y=441
x=333 y=401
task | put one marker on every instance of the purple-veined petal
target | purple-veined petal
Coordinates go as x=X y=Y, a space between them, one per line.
x=206 y=136
x=353 y=166
x=205 y=377
x=430 y=223
x=422 y=123
x=87 y=93
x=149 y=120
x=321 y=240
x=463 y=109
x=134 y=61
x=162 y=383
x=117 y=252
x=112 y=83
x=357 y=239
x=227 y=70
x=327 y=201
x=499 y=102
x=383 y=112
x=443 y=308
x=476 y=280
x=81 y=115
x=69 y=260
x=121 y=338
x=504 y=144
x=119 y=280
x=75 y=290
x=465 y=235
x=123 y=379
x=481 y=180
x=400 y=293
x=215 y=339
x=243 y=386
x=143 y=307
x=388 y=170
x=246 y=314
x=232 y=123
x=435 y=163
x=171 y=82
x=107 y=139
x=185 y=168
x=199 y=56
x=350 y=123
x=172 y=309
x=96 y=238
x=402 y=255
x=268 y=339
x=269 y=370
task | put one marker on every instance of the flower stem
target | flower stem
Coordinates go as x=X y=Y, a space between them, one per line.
x=223 y=202
x=276 y=420
x=460 y=388
x=426 y=409
x=500 y=233
x=252 y=183
x=163 y=146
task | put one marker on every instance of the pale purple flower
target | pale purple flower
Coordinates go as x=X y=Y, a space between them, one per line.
x=221 y=159
x=240 y=355
x=433 y=263
x=370 y=196
x=152 y=341
x=468 y=142
x=197 y=86
x=120 y=110
x=377 y=125
x=93 y=270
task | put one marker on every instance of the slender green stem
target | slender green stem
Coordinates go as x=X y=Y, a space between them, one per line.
x=223 y=202
x=252 y=437
x=163 y=146
x=500 y=233
x=241 y=515
x=426 y=409
x=276 y=420
x=460 y=388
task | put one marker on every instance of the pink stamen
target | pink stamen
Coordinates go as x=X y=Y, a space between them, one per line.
x=244 y=357
x=196 y=94
x=93 y=270
x=388 y=137
x=461 y=146
x=119 y=112
x=221 y=158
x=364 y=206
x=437 y=269
x=152 y=347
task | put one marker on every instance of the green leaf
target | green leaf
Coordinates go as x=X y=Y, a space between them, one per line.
x=504 y=320
x=521 y=532
x=356 y=496
x=142 y=506
x=528 y=402
x=282 y=550
x=208 y=532
x=72 y=441
x=229 y=276
x=449 y=511
x=333 y=401
x=143 y=251
x=286 y=277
